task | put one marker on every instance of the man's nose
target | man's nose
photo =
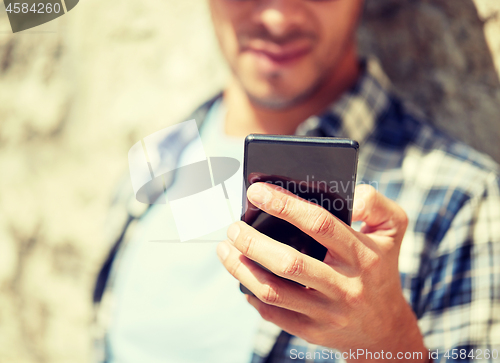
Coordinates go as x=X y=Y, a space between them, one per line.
x=280 y=17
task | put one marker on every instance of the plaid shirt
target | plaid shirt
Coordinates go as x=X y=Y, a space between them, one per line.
x=450 y=256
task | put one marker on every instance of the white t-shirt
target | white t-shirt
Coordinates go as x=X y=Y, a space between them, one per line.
x=175 y=302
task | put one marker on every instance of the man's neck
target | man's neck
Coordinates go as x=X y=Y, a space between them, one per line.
x=244 y=117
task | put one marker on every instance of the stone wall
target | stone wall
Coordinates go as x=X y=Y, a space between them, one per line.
x=444 y=58
x=77 y=92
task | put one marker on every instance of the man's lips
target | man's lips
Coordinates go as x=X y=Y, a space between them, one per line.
x=279 y=54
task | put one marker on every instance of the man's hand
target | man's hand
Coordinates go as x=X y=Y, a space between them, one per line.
x=353 y=299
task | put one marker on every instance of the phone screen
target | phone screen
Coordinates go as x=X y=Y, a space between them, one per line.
x=321 y=170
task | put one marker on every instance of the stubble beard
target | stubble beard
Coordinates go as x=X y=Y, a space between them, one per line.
x=279 y=102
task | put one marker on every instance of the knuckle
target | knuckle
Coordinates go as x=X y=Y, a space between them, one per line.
x=337 y=321
x=405 y=219
x=402 y=218
x=247 y=244
x=270 y=294
x=292 y=265
x=371 y=260
x=323 y=223
x=355 y=296
x=282 y=206
x=310 y=335
x=234 y=267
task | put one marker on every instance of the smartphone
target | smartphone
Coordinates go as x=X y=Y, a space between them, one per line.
x=319 y=169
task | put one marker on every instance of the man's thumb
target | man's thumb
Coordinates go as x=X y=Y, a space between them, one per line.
x=377 y=211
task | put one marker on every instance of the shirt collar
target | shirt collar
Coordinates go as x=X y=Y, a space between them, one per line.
x=355 y=114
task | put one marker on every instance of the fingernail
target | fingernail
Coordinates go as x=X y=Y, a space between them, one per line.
x=232 y=232
x=259 y=194
x=222 y=250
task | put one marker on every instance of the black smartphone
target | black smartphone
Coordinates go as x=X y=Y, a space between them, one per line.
x=319 y=169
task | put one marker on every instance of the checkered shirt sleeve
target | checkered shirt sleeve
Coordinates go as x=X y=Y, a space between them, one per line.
x=450 y=256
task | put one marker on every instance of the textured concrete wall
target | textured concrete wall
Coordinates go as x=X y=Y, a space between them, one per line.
x=444 y=58
x=76 y=93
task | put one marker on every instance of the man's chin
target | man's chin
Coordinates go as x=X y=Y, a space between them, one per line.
x=272 y=102
x=280 y=101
